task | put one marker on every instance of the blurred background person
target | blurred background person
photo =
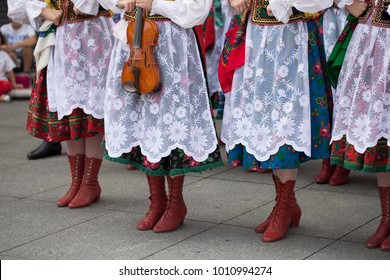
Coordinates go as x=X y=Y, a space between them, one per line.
x=17 y=12
x=19 y=44
x=7 y=76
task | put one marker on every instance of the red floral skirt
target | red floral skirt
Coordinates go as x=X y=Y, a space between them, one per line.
x=373 y=160
x=42 y=123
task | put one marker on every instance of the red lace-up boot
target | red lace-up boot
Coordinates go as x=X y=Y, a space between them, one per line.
x=383 y=230
x=385 y=245
x=176 y=209
x=90 y=190
x=294 y=206
x=339 y=177
x=76 y=163
x=326 y=172
x=281 y=218
x=158 y=202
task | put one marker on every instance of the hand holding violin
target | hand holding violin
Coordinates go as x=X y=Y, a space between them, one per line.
x=127 y=5
x=144 y=4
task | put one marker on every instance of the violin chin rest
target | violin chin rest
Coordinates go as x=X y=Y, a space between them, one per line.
x=129 y=86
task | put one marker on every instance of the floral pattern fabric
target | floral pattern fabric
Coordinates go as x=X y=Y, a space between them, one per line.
x=78 y=67
x=374 y=159
x=176 y=163
x=269 y=105
x=285 y=158
x=178 y=116
x=362 y=104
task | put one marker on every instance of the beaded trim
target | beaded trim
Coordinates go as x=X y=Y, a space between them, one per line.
x=71 y=17
x=259 y=14
x=381 y=18
x=146 y=15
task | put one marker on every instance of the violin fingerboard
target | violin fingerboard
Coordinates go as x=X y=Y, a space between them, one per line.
x=138 y=28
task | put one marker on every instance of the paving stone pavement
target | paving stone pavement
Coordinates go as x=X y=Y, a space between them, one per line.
x=224 y=206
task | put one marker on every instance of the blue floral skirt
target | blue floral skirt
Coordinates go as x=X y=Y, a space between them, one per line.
x=321 y=106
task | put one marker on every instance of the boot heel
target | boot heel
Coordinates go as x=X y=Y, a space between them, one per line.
x=97 y=198
x=295 y=221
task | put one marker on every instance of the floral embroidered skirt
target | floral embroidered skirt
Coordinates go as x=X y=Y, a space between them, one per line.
x=177 y=163
x=321 y=113
x=42 y=123
x=373 y=160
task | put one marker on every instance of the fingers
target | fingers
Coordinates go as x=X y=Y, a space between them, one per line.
x=144 y=4
x=357 y=8
x=131 y=6
x=241 y=6
x=269 y=11
x=127 y=5
x=57 y=18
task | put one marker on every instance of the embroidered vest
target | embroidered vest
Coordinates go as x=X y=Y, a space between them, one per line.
x=260 y=16
x=69 y=15
x=131 y=16
x=380 y=17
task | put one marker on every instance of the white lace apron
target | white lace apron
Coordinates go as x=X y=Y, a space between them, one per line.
x=77 y=70
x=362 y=104
x=269 y=105
x=176 y=117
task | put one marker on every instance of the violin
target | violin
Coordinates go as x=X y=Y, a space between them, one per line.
x=141 y=73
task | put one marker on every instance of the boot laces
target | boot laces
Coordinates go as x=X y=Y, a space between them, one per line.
x=384 y=225
x=278 y=221
x=169 y=206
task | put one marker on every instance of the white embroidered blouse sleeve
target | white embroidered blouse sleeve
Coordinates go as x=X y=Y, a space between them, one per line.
x=282 y=9
x=342 y=3
x=90 y=7
x=17 y=9
x=33 y=10
x=185 y=13
x=110 y=5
